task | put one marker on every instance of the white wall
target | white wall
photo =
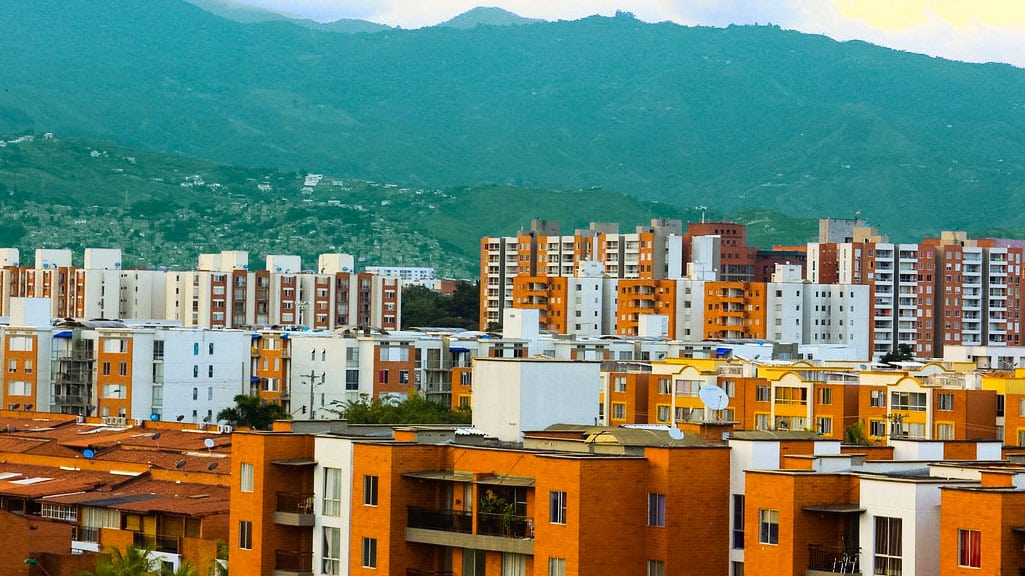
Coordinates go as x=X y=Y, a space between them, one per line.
x=514 y=395
x=332 y=453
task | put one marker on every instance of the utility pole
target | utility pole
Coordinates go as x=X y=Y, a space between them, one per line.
x=312 y=381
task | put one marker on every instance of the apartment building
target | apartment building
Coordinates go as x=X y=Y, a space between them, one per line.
x=221 y=293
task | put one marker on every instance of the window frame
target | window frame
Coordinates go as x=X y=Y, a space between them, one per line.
x=969 y=548
x=370 y=490
x=557 y=507
x=768 y=526
x=245 y=535
x=368 y=556
x=656 y=510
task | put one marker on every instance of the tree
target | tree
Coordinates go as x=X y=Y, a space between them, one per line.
x=422 y=306
x=184 y=569
x=134 y=561
x=903 y=353
x=253 y=412
x=415 y=410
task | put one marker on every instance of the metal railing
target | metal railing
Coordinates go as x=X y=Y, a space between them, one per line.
x=835 y=559
x=505 y=525
x=447 y=520
x=295 y=502
x=293 y=561
x=158 y=542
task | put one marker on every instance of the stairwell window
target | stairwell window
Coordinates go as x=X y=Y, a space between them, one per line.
x=369 y=552
x=246 y=477
x=557 y=507
x=969 y=548
x=656 y=509
x=332 y=555
x=332 y=491
x=369 y=490
x=245 y=535
x=768 y=526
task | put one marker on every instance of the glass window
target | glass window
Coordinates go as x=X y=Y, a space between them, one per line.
x=332 y=491
x=557 y=507
x=369 y=552
x=969 y=548
x=768 y=526
x=246 y=475
x=332 y=553
x=887 y=545
x=738 y=521
x=245 y=535
x=556 y=567
x=945 y=401
x=656 y=509
x=656 y=568
x=370 y=490
x=618 y=411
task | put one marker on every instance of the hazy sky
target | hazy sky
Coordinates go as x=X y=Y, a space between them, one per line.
x=971 y=30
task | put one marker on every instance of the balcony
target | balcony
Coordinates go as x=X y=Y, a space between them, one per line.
x=448 y=520
x=454 y=528
x=293 y=563
x=832 y=560
x=294 y=509
x=158 y=542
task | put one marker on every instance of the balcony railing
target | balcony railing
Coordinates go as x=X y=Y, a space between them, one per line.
x=293 y=561
x=85 y=534
x=295 y=502
x=447 y=520
x=505 y=525
x=158 y=543
x=835 y=559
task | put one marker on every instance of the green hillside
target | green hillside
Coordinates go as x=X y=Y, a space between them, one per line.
x=164 y=210
x=735 y=119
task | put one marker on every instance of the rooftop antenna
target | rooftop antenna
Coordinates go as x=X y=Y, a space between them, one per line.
x=702 y=208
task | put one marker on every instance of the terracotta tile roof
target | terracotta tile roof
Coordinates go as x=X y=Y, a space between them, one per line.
x=145 y=495
x=25 y=481
x=198 y=461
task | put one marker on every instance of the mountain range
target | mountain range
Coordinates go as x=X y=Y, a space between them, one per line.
x=731 y=118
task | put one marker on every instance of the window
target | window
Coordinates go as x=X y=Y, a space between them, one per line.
x=945 y=401
x=908 y=401
x=1021 y=407
x=12 y=365
x=473 y=562
x=825 y=396
x=662 y=413
x=877 y=399
x=876 y=428
x=211 y=348
x=944 y=431
x=245 y=535
x=352 y=379
x=195 y=370
x=514 y=564
x=403 y=376
x=824 y=426
x=1021 y=437
x=332 y=491
x=332 y=554
x=768 y=526
x=195 y=393
x=619 y=384
x=210 y=393
x=122 y=368
x=969 y=548
x=1000 y=404
x=59 y=511
x=195 y=349
x=369 y=552
x=105 y=368
x=556 y=567
x=382 y=376
x=28 y=366
x=370 y=490
x=656 y=509
x=618 y=411
x=246 y=474
x=887 y=546
x=664 y=386
x=762 y=422
x=557 y=507
x=210 y=371
x=18 y=388
x=738 y=521
x=656 y=568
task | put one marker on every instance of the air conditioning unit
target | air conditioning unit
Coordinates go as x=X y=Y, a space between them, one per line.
x=224 y=428
x=115 y=421
x=138 y=422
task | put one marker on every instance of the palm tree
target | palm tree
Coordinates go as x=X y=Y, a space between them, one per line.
x=253 y=412
x=134 y=561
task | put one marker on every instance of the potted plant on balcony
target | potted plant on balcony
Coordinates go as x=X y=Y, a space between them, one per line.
x=498 y=507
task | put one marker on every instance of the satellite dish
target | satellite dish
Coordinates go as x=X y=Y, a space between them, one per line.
x=713 y=397
x=179 y=464
x=212 y=466
x=88 y=453
x=156 y=436
x=209 y=443
x=675 y=433
x=180 y=417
